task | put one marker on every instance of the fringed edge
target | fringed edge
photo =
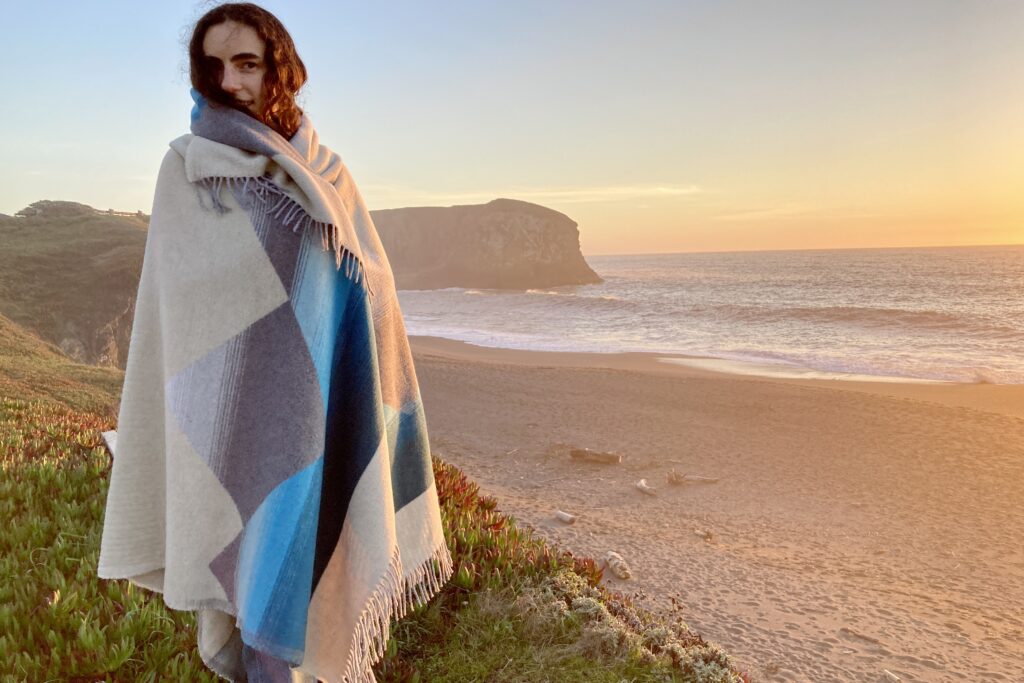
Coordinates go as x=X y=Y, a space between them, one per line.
x=393 y=599
x=278 y=204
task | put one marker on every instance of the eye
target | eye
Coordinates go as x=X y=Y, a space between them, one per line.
x=250 y=65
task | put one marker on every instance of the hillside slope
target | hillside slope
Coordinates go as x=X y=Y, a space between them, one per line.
x=68 y=274
x=31 y=369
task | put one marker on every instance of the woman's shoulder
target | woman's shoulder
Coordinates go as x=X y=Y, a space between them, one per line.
x=172 y=166
x=204 y=158
x=179 y=145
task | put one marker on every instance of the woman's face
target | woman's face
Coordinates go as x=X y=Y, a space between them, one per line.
x=239 y=49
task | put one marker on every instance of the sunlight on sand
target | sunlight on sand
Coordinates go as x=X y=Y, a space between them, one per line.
x=787 y=371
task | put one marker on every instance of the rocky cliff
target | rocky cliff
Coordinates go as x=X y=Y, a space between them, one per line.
x=503 y=244
x=69 y=272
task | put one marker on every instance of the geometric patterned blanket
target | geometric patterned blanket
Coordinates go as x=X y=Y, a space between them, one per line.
x=272 y=469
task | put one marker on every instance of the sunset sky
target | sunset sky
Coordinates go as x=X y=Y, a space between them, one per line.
x=657 y=126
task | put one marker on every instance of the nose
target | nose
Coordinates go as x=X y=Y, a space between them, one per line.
x=229 y=82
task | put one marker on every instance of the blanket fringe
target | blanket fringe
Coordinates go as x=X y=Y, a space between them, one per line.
x=277 y=203
x=393 y=599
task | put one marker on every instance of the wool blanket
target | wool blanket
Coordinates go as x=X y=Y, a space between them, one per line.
x=272 y=469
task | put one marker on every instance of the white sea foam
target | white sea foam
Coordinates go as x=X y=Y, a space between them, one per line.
x=952 y=314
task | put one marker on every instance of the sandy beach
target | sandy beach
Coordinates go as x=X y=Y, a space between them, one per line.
x=855 y=528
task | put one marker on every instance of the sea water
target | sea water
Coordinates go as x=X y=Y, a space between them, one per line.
x=946 y=313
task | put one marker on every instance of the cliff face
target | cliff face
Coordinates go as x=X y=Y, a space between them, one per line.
x=504 y=244
x=68 y=274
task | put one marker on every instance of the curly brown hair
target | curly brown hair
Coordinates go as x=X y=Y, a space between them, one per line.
x=285 y=71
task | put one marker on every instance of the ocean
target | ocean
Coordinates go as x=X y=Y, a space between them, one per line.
x=930 y=314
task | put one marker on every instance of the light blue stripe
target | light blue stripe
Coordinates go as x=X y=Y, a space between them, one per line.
x=275 y=565
x=319 y=296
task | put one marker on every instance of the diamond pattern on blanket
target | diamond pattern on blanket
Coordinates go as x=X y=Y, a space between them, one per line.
x=281 y=244
x=225 y=400
x=276 y=463
x=411 y=473
x=218 y=302
x=223 y=566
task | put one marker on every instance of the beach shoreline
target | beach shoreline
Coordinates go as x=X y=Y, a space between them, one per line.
x=856 y=526
x=1006 y=399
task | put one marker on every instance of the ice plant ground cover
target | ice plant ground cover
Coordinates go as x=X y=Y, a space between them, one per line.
x=515 y=610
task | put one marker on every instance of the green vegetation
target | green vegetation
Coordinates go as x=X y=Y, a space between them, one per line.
x=70 y=274
x=518 y=611
x=57 y=620
x=515 y=609
x=32 y=369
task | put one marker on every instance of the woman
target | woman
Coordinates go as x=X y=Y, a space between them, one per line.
x=272 y=469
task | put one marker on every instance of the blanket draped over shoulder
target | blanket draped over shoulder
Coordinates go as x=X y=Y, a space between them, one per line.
x=272 y=469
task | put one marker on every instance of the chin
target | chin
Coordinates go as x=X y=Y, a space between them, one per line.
x=250 y=109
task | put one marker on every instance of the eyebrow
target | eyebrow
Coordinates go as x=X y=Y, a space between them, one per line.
x=241 y=56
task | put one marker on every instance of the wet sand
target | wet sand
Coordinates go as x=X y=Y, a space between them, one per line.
x=856 y=527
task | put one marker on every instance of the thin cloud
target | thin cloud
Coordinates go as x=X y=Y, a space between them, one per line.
x=797 y=210
x=767 y=213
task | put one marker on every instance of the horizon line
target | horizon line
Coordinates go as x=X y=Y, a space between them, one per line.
x=758 y=251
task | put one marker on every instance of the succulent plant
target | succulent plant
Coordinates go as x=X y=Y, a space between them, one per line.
x=59 y=622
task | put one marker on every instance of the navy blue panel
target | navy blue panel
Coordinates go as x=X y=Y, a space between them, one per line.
x=355 y=423
x=411 y=470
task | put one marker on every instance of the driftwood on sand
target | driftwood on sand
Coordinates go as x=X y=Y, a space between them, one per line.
x=677 y=478
x=587 y=455
x=565 y=517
